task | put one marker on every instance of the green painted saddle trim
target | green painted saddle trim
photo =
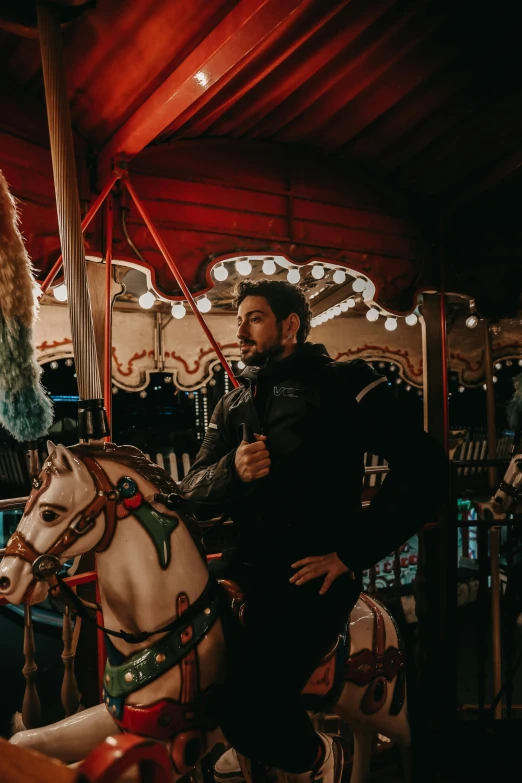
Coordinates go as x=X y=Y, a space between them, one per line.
x=159 y=527
x=146 y=665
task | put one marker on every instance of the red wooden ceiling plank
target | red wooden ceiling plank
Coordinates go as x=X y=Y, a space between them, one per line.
x=258 y=64
x=454 y=153
x=483 y=181
x=354 y=45
x=290 y=75
x=373 y=102
x=431 y=128
x=358 y=74
x=245 y=27
x=406 y=113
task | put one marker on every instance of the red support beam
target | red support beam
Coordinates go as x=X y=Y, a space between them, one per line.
x=214 y=60
x=107 y=343
x=179 y=278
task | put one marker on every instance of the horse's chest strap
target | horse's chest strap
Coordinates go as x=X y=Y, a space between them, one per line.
x=149 y=664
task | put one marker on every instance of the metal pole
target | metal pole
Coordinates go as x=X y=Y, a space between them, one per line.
x=85 y=222
x=496 y=655
x=92 y=420
x=107 y=379
x=177 y=275
x=490 y=406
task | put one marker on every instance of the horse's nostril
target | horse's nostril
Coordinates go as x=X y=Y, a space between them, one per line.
x=5 y=583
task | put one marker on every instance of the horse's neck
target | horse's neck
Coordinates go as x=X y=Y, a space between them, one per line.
x=137 y=594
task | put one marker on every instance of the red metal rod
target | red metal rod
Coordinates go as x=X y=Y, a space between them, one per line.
x=107 y=345
x=100 y=644
x=175 y=271
x=85 y=222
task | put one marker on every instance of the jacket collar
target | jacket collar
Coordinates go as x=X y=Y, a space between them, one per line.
x=302 y=361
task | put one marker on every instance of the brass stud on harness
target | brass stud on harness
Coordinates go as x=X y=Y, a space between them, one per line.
x=128 y=676
x=206 y=611
x=160 y=658
x=107 y=678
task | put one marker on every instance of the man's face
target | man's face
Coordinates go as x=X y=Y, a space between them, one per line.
x=260 y=336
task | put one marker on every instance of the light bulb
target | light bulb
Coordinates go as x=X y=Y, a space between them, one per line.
x=461 y=389
x=317 y=272
x=314 y=322
x=372 y=314
x=411 y=319
x=390 y=324
x=351 y=303
x=60 y=293
x=221 y=272
x=147 y=300
x=330 y=313
x=337 y=310
x=339 y=276
x=269 y=266
x=484 y=386
x=204 y=305
x=178 y=310
x=498 y=366
x=344 y=306
x=472 y=321
x=358 y=285
x=241 y=365
x=324 y=317
x=143 y=394
x=293 y=276
x=243 y=266
x=369 y=290
x=54 y=365
x=495 y=379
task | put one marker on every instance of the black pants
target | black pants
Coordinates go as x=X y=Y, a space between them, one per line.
x=288 y=629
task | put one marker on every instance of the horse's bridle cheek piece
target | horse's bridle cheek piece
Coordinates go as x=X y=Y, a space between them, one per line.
x=46 y=564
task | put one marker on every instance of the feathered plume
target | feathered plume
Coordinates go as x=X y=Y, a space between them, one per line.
x=25 y=410
x=514 y=406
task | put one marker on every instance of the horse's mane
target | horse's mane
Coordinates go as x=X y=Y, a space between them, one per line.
x=132 y=457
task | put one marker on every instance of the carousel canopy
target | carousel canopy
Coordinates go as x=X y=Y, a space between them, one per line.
x=380 y=136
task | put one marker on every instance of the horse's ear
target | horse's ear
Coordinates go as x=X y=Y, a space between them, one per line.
x=50 y=447
x=62 y=459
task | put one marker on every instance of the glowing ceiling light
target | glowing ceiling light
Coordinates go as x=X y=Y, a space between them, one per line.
x=60 y=293
x=293 y=276
x=324 y=317
x=472 y=321
x=243 y=266
x=330 y=313
x=411 y=319
x=390 y=324
x=339 y=276
x=351 y=303
x=337 y=309
x=241 y=365
x=317 y=271
x=498 y=366
x=344 y=306
x=461 y=389
x=221 y=273
x=269 y=266
x=359 y=284
x=147 y=300
x=204 y=304
x=369 y=290
x=372 y=314
x=178 y=310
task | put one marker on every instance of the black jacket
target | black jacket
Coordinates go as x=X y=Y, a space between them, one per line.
x=320 y=417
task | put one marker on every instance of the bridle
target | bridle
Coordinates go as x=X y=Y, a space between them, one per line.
x=509 y=489
x=46 y=564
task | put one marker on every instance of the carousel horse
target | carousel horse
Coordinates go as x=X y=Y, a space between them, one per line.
x=165 y=618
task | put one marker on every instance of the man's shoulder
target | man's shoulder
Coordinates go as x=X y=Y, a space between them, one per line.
x=356 y=377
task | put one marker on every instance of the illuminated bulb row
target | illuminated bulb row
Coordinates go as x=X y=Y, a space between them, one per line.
x=332 y=312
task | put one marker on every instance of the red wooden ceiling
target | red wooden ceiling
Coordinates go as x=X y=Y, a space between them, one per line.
x=425 y=95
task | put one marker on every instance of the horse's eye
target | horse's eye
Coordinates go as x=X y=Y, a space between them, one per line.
x=49 y=516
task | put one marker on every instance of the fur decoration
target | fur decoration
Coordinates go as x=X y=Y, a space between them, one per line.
x=514 y=406
x=25 y=409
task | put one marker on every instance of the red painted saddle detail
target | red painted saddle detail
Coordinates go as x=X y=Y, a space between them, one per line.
x=164 y=719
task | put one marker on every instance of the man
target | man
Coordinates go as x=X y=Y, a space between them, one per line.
x=294 y=495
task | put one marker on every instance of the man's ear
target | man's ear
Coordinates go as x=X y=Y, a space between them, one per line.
x=294 y=322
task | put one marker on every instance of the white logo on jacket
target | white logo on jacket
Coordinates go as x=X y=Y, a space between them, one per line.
x=285 y=391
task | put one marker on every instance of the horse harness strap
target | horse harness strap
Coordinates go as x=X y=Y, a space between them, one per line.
x=149 y=664
x=106 y=495
x=510 y=490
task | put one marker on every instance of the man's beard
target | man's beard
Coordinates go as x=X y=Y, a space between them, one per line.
x=260 y=358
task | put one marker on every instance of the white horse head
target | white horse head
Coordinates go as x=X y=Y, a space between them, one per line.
x=74 y=507
x=509 y=493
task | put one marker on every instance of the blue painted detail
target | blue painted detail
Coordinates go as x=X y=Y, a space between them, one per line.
x=114 y=704
x=127 y=487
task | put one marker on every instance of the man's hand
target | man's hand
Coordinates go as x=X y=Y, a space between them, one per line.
x=313 y=567
x=252 y=460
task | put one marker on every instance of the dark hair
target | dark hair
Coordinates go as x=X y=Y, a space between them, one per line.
x=283 y=298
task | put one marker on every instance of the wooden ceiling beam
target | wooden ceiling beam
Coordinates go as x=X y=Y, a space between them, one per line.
x=213 y=60
x=484 y=182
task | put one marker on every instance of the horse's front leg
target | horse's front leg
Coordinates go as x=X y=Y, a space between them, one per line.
x=70 y=739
